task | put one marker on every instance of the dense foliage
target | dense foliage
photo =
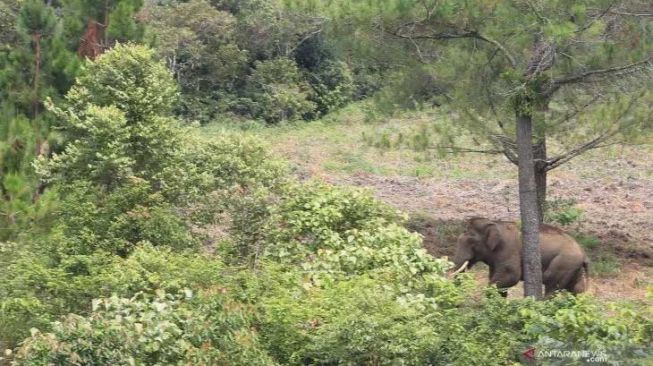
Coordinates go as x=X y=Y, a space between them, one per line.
x=248 y=59
x=128 y=238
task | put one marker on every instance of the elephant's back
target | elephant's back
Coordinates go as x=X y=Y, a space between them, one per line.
x=558 y=242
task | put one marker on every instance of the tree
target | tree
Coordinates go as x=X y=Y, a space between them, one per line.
x=8 y=14
x=93 y=26
x=38 y=42
x=35 y=65
x=278 y=91
x=214 y=48
x=38 y=21
x=527 y=65
x=197 y=42
x=116 y=121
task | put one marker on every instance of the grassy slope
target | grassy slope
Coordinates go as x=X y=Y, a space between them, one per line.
x=613 y=186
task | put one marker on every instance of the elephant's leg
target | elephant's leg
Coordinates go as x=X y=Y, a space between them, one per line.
x=577 y=283
x=503 y=278
x=556 y=276
x=551 y=283
x=559 y=280
x=503 y=291
x=550 y=290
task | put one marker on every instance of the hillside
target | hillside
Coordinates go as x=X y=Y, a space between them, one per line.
x=319 y=183
x=612 y=188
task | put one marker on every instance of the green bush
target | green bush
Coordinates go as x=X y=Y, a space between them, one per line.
x=117 y=222
x=587 y=241
x=331 y=231
x=145 y=330
x=605 y=265
x=368 y=321
x=224 y=162
x=40 y=287
x=333 y=85
x=277 y=316
x=355 y=322
x=562 y=212
x=116 y=121
x=129 y=78
x=278 y=91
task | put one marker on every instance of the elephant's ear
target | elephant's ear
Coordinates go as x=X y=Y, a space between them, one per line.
x=492 y=237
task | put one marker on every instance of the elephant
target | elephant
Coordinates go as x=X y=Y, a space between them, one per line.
x=498 y=244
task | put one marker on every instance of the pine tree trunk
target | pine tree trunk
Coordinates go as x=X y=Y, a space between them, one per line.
x=531 y=258
x=540 y=177
x=540 y=186
x=36 y=38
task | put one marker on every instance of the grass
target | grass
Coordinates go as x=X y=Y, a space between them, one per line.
x=605 y=266
x=587 y=241
x=346 y=143
x=353 y=140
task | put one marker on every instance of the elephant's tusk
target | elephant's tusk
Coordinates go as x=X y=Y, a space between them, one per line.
x=462 y=268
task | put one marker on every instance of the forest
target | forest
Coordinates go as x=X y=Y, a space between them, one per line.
x=326 y=182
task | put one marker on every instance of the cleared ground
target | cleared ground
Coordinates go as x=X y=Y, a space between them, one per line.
x=613 y=188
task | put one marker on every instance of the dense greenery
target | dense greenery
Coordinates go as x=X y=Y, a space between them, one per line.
x=128 y=238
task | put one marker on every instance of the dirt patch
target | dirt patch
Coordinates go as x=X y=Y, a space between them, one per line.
x=617 y=213
x=439 y=235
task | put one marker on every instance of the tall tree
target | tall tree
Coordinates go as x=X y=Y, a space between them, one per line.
x=38 y=22
x=8 y=14
x=93 y=26
x=38 y=42
x=526 y=66
x=35 y=66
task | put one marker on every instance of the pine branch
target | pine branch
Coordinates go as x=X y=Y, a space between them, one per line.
x=447 y=36
x=508 y=147
x=598 y=17
x=576 y=111
x=566 y=157
x=458 y=149
x=617 y=70
x=631 y=14
x=595 y=143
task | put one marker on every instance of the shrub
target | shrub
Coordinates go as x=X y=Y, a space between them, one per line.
x=159 y=330
x=149 y=269
x=563 y=212
x=330 y=232
x=129 y=174
x=116 y=222
x=587 y=241
x=128 y=78
x=225 y=162
x=355 y=322
x=278 y=91
x=333 y=85
x=367 y=321
x=116 y=121
x=40 y=287
x=34 y=292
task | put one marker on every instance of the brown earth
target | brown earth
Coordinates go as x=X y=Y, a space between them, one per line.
x=439 y=207
x=446 y=203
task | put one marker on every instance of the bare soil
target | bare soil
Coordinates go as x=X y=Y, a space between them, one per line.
x=613 y=187
x=619 y=214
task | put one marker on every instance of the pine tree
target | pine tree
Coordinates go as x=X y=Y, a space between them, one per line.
x=520 y=72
